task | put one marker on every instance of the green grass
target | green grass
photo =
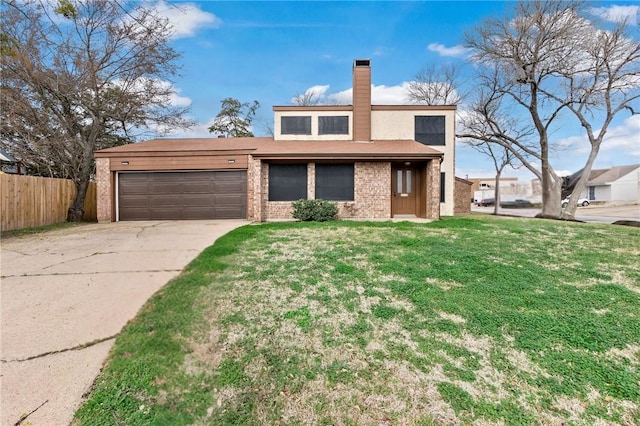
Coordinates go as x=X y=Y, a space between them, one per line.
x=462 y=320
x=39 y=229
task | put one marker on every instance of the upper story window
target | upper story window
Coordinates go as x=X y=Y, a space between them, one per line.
x=295 y=125
x=333 y=125
x=430 y=129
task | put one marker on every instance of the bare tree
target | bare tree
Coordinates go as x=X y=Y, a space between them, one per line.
x=314 y=96
x=308 y=98
x=235 y=118
x=86 y=75
x=548 y=61
x=506 y=140
x=439 y=85
x=501 y=158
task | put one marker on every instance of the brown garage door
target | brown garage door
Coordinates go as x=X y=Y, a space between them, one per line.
x=182 y=195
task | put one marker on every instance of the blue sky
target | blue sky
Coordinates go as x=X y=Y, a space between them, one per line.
x=270 y=51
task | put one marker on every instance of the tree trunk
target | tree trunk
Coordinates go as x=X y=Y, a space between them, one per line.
x=551 y=191
x=551 y=198
x=496 y=193
x=569 y=213
x=76 y=211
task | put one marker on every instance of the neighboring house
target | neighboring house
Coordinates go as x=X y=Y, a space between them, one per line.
x=463 y=196
x=510 y=189
x=375 y=161
x=621 y=183
x=8 y=164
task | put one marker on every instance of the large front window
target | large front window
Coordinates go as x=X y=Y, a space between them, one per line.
x=334 y=182
x=287 y=182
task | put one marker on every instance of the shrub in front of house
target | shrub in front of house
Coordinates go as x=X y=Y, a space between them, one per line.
x=314 y=210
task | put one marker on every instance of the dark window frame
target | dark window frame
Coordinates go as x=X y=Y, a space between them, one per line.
x=442 y=187
x=288 y=182
x=430 y=129
x=335 y=181
x=302 y=127
x=339 y=126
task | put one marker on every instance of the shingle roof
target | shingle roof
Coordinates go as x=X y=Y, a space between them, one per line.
x=610 y=175
x=595 y=173
x=191 y=144
x=268 y=147
x=343 y=148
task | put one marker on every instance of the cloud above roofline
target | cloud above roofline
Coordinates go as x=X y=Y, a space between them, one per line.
x=457 y=51
x=185 y=18
x=617 y=13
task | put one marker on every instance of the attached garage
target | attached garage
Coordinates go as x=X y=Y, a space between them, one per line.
x=176 y=179
x=187 y=195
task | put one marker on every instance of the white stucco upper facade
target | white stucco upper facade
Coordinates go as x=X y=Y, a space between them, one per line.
x=398 y=122
x=314 y=113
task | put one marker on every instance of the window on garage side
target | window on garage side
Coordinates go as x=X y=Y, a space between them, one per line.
x=430 y=129
x=295 y=125
x=334 y=182
x=442 y=181
x=333 y=125
x=287 y=182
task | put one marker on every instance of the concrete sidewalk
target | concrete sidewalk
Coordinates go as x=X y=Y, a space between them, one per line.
x=607 y=213
x=66 y=294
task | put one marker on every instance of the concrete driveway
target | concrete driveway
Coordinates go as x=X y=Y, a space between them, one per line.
x=66 y=294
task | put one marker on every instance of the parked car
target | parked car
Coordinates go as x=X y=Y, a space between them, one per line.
x=581 y=202
x=516 y=203
x=486 y=202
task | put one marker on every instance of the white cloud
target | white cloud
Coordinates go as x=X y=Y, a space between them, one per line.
x=312 y=93
x=623 y=137
x=380 y=95
x=200 y=130
x=442 y=50
x=170 y=93
x=177 y=100
x=617 y=13
x=621 y=145
x=381 y=51
x=185 y=18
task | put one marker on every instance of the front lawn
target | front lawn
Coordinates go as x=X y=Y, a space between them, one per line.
x=461 y=321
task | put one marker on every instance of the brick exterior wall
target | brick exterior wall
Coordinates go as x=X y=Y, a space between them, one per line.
x=104 y=190
x=372 y=193
x=372 y=187
x=311 y=181
x=254 y=173
x=433 y=190
x=278 y=210
x=462 y=195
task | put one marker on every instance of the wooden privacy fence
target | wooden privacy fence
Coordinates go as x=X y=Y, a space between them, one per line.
x=36 y=201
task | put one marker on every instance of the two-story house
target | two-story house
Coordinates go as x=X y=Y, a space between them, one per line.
x=374 y=161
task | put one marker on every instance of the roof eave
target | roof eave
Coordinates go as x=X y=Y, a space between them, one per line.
x=118 y=154
x=347 y=156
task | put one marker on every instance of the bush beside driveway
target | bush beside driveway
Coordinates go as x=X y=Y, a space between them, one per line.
x=67 y=293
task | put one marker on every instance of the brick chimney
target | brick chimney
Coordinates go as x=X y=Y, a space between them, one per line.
x=362 y=100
